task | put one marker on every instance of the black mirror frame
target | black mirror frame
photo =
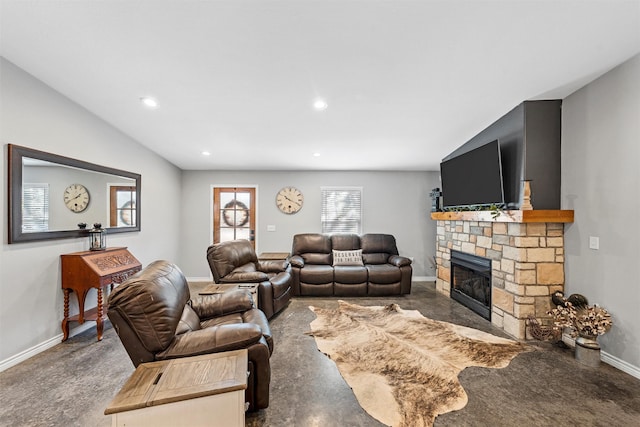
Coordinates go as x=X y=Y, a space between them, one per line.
x=16 y=153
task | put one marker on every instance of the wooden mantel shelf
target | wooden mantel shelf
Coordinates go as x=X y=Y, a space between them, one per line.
x=507 y=216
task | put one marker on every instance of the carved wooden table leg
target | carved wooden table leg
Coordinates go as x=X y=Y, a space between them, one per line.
x=65 y=320
x=99 y=323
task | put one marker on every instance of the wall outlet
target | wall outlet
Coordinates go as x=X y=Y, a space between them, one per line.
x=271 y=228
x=594 y=242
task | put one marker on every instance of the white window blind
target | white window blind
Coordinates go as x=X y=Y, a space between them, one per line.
x=341 y=210
x=35 y=207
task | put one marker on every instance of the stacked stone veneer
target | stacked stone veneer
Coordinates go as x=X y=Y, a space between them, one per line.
x=527 y=265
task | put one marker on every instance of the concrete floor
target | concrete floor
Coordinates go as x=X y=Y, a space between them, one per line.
x=72 y=383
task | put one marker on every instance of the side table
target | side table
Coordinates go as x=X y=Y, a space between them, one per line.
x=276 y=256
x=220 y=288
x=205 y=390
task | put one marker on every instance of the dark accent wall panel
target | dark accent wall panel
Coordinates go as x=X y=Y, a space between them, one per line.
x=529 y=138
x=542 y=152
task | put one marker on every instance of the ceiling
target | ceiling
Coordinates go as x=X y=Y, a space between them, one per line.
x=406 y=82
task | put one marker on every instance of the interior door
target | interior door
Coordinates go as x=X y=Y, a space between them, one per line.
x=234 y=214
x=122 y=206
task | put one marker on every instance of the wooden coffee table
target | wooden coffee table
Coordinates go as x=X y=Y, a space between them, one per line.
x=205 y=390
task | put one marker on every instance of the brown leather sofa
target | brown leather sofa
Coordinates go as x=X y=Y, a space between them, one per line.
x=236 y=262
x=381 y=271
x=156 y=320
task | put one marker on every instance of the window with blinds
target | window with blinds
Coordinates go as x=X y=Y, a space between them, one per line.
x=35 y=207
x=341 y=210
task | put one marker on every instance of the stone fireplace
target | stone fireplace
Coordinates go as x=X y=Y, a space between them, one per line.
x=526 y=250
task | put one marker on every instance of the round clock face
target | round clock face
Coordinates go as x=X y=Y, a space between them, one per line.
x=76 y=197
x=289 y=200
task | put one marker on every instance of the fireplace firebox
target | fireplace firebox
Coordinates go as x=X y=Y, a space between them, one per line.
x=471 y=282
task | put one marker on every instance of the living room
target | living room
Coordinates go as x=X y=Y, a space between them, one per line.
x=599 y=175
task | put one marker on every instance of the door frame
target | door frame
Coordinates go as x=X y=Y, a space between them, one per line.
x=211 y=209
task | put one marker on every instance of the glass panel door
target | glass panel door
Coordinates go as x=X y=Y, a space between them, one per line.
x=234 y=214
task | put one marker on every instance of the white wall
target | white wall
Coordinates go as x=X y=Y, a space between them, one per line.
x=34 y=115
x=396 y=203
x=601 y=182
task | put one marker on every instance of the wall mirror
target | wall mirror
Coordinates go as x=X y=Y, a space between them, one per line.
x=50 y=195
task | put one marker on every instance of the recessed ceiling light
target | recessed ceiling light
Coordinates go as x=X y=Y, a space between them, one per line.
x=320 y=104
x=149 y=102
x=316 y=154
x=206 y=153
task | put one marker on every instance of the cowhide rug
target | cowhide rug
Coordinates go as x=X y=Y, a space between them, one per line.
x=402 y=366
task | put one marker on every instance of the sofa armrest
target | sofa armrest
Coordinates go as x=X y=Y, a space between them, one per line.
x=216 y=305
x=273 y=266
x=245 y=277
x=399 y=261
x=214 y=339
x=296 y=261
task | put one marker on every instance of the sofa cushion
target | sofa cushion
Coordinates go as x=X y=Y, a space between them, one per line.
x=376 y=248
x=350 y=274
x=189 y=321
x=314 y=248
x=345 y=242
x=383 y=273
x=316 y=274
x=353 y=257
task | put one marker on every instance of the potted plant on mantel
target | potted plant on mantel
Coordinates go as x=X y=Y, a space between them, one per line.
x=586 y=322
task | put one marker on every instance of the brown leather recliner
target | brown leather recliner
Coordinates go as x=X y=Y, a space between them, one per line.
x=156 y=320
x=236 y=262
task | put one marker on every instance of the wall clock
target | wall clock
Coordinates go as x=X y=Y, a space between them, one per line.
x=76 y=197
x=289 y=200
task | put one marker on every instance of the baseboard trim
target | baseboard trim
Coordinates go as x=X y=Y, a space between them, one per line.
x=607 y=358
x=39 y=348
x=620 y=364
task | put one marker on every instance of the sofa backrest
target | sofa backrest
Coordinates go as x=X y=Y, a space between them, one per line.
x=151 y=304
x=345 y=242
x=376 y=248
x=314 y=248
x=227 y=256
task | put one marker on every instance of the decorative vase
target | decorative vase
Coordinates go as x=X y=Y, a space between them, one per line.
x=587 y=350
x=588 y=341
x=526 y=196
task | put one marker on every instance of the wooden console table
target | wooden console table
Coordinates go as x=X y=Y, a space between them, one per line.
x=82 y=271
x=205 y=390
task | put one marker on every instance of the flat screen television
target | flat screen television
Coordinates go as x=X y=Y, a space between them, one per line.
x=473 y=178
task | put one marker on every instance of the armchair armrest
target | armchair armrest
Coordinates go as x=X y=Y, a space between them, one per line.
x=214 y=339
x=273 y=266
x=297 y=261
x=245 y=277
x=399 y=261
x=216 y=305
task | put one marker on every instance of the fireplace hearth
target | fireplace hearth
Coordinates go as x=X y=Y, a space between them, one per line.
x=471 y=282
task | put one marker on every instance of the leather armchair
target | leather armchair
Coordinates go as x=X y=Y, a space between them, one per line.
x=156 y=320
x=236 y=262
